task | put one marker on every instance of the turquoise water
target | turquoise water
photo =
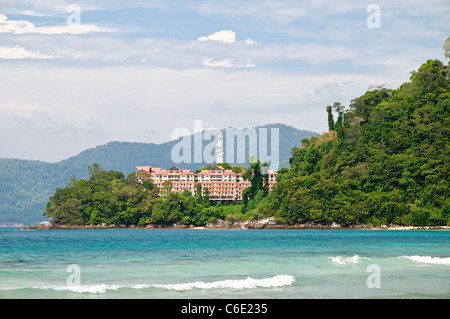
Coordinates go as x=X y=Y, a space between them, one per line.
x=202 y=263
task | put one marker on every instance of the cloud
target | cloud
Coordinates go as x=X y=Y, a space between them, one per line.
x=48 y=8
x=32 y=13
x=225 y=63
x=125 y=99
x=235 y=62
x=18 y=52
x=312 y=53
x=280 y=12
x=25 y=27
x=229 y=37
x=41 y=135
x=225 y=36
x=309 y=54
x=329 y=90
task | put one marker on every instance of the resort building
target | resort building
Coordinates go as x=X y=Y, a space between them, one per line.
x=222 y=184
x=181 y=178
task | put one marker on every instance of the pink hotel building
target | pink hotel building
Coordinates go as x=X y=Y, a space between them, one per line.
x=222 y=184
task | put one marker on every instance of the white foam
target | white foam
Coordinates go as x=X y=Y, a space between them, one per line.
x=248 y=283
x=93 y=289
x=96 y=289
x=347 y=260
x=430 y=260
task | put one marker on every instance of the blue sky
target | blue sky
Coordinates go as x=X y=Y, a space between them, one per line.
x=138 y=70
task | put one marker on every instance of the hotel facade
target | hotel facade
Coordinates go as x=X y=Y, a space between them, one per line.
x=222 y=184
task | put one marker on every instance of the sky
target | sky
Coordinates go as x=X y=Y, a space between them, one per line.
x=78 y=74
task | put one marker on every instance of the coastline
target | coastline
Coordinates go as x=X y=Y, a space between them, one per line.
x=262 y=223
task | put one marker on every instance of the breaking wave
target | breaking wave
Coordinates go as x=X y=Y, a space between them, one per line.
x=93 y=289
x=430 y=260
x=347 y=260
x=248 y=283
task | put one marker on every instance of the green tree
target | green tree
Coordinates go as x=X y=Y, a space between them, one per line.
x=446 y=47
x=206 y=198
x=198 y=194
x=339 y=125
x=330 y=118
x=167 y=188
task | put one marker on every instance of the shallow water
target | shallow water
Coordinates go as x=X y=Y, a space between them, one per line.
x=204 y=263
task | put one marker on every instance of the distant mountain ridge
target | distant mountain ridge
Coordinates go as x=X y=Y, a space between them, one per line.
x=26 y=185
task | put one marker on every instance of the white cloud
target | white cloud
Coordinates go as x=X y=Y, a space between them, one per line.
x=225 y=63
x=226 y=36
x=20 y=53
x=48 y=8
x=45 y=136
x=25 y=27
x=312 y=53
x=128 y=101
x=136 y=85
x=234 y=62
x=32 y=13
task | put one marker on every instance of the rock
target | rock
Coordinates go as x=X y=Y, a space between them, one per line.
x=233 y=221
x=179 y=224
x=44 y=225
x=218 y=223
x=249 y=224
x=264 y=222
x=310 y=225
x=335 y=225
x=234 y=224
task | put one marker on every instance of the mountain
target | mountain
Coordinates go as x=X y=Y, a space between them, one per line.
x=25 y=186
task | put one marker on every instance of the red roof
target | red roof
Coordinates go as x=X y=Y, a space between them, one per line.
x=159 y=170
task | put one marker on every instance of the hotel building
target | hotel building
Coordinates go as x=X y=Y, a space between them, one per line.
x=181 y=178
x=223 y=184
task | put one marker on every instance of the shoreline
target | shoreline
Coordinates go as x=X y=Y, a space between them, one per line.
x=263 y=223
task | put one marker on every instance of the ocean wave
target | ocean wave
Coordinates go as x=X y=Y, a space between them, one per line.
x=429 y=259
x=347 y=260
x=93 y=289
x=248 y=283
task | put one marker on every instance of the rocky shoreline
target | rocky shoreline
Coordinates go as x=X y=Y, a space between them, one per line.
x=261 y=223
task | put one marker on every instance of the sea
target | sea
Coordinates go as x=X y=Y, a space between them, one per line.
x=222 y=264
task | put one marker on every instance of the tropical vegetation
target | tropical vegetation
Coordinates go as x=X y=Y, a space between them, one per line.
x=385 y=159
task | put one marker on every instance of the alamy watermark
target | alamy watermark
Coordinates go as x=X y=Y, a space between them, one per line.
x=74 y=19
x=191 y=148
x=74 y=279
x=374 y=19
x=374 y=279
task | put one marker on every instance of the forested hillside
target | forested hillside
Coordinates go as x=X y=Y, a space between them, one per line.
x=25 y=186
x=385 y=159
